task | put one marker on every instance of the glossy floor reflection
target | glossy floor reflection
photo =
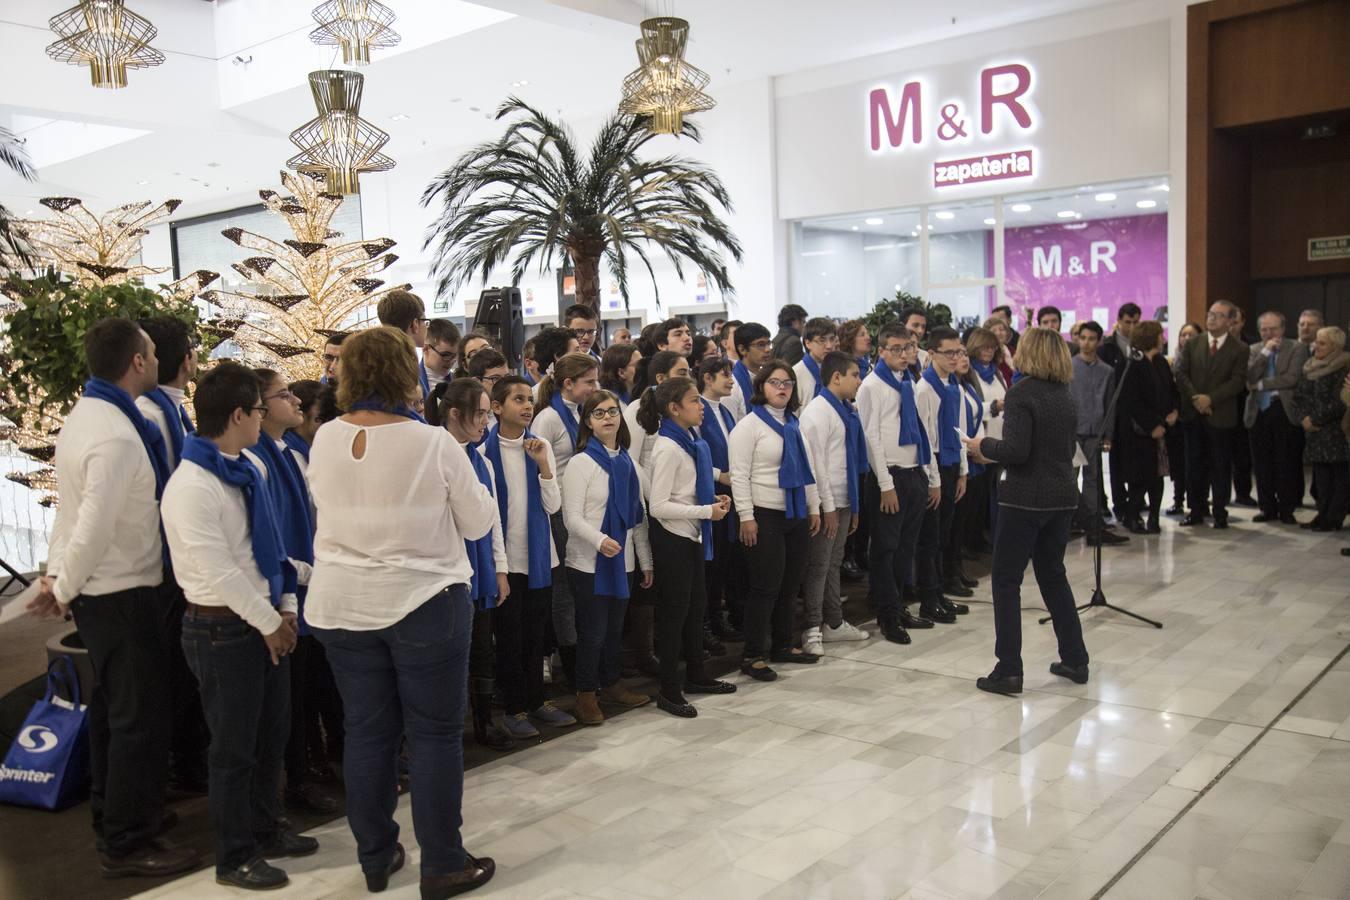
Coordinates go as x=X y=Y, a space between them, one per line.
x=883 y=773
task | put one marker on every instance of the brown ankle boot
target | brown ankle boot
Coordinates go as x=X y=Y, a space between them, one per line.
x=588 y=711
x=618 y=694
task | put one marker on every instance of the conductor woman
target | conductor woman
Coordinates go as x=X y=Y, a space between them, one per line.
x=1037 y=498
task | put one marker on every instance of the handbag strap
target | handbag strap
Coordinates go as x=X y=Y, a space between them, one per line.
x=61 y=672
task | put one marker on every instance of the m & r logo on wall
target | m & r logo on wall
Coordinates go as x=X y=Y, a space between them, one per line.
x=897 y=121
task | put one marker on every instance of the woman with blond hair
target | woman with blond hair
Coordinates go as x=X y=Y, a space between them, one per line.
x=1003 y=356
x=1037 y=500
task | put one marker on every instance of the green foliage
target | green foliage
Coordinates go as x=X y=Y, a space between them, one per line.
x=46 y=367
x=889 y=311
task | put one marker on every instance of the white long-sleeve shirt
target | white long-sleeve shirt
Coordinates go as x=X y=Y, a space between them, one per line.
x=993 y=424
x=549 y=427
x=639 y=442
x=879 y=409
x=585 y=494
x=674 y=499
x=106 y=534
x=756 y=453
x=929 y=403
x=498 y=538
x=517 y=525
x=806 y=384
x=150 y=409
x=392 y=524
x=210 y=539
x=735 y=402
x=826 y=437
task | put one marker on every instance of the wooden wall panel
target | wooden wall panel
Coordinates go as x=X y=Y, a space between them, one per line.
x=1300 y=190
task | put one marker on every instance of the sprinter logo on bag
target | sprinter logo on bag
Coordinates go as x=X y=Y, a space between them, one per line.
x=37 y=739
x=28 y=775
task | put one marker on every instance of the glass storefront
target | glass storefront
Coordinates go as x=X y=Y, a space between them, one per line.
x=1085 y=250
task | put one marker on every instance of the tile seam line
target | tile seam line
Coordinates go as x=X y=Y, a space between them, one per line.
x=1143 y=851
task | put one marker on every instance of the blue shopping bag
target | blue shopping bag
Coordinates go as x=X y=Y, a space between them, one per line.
x=47 y=766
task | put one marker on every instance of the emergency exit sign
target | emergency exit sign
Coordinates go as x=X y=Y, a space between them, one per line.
x=1329 y=247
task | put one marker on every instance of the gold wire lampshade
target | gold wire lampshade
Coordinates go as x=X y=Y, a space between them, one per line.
x=356 y=26
x=338 y=144
x=664 y=86
x=107 y=37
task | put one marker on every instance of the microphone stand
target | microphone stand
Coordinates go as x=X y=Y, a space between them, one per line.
x=1098 y=596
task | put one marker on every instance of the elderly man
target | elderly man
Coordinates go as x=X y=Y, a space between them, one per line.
x=1273 y=368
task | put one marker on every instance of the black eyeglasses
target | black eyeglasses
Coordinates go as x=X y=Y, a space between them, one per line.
x=329 y=358
x=279 y=395
x=580 y=333
x=258 y=409
x=445 y=355
x=610 y=412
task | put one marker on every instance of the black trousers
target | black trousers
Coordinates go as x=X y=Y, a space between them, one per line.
x=1242 y=453
x=518 y=625
x=1332 y=481
x=130 y=713
x=777 y=567
x=716 y=588
x=482 y=657
x=937 y=527
x=1144 y=490
x=679 y=608
x=304 y=707
x=1038 y=536
x=1176 y=462
x=325 y=718
x=187 y=749
x=1119 y=489
x=895 y=537
x=1209 y=467
x=1277 y=460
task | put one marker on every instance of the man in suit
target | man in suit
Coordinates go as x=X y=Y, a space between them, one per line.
x=1114 y=351
x=1273 y=368
x=1211 y=372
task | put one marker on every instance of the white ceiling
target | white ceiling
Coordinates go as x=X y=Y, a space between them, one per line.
x=457 y=62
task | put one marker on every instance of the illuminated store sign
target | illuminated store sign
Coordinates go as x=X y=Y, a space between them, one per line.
x=1004 y=103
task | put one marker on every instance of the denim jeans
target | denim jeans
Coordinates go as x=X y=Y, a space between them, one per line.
x=1038 y=536
x=599 y=632
x=410 y=677
x=247 y=701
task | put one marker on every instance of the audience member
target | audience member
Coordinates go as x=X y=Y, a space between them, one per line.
x=405 y=311
x=1322 y=413
x=584 y=323
x=820 y=337
x=440 y=350
x=1145 y=408
x=1274 y=367
x=753 y=352
x=1092 y=387
x=618 y=371
x=1210 y=373
x=787 y=343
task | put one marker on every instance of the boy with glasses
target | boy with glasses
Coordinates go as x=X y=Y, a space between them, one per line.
x=584 y=325
x=820 y=337
x=438 y=353
x=754 y=349
x=406 y=312
x=332 y=352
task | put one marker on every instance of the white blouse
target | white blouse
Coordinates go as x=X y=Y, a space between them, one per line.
x=674 y=501
x=392 y=524
x=756 y=452
x=549 y=427
x=517 y=526
x=585 y=492
x=993 y=424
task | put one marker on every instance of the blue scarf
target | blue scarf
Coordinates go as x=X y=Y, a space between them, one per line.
x=987 y=371
x=483 y=585
x=715 y=437
x=379 y=404
x=537 y=529
x=793 y=472
x=704 y=491
x=290 y=499
x=180 y=426
x=525 y=373
x=151 y=436
x=814 y=369
x=623 y=511
x=422 y=379
x=912 y=434
x=949 y=416
x=864 y=366
x=269 y=548
x=568 y=419
x=743 y=379
x=297 y=443
x=854 y=445
x=974 y=416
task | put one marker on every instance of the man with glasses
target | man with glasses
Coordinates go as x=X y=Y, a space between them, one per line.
x=820 y=337
x=406 y=312
x=584 y=325
x=903 y=481
x=438 y=354
x=755 y=349
x=332 y=353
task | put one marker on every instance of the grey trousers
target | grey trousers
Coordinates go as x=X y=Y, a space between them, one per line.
x=821 y=587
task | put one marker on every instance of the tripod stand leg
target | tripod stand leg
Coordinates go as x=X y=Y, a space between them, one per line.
x=14 y=575
x=1126 y=612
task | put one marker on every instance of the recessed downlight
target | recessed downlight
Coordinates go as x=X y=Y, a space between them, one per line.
x=989 y=221
x=944 y=215
x=1146 y=204
x=874 y=220
x=1021 y=207
x=1066 y=214
x=1105 y=198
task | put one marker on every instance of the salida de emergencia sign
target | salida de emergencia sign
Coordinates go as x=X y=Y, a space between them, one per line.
x=1337 y=247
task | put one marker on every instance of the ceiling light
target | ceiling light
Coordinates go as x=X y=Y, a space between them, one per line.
x=989 y=221
x=1021 y=207
x=874 y=220
x=1066 y=214
x=1162 y=187
x=399 y=117
x=143 y=182
x=105 y=36
x=1146 y=204
x=338 y=144
x=1105 y=198
x=664 y=86
x=944 y=215
x=356 y=26
x=519 y=83
x=853 y=228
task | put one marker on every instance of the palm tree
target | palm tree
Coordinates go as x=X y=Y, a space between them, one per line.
x=13 y=155
x=529 y=196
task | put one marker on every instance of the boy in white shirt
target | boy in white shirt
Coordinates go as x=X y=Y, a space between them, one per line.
x=820 y=337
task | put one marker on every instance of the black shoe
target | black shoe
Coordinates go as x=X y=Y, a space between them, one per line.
x=475 y=874
x=955 y=588
x=649 y=665
x=959 y=609
x=254 y=875
x=1244 y=500
x=892 y=631
x=1288 y=519
x=1107 y=538
x=1076 y=532
x=724 y=631
x=1076 y=674
x=709 y=687
x=907 y=619
x=1221 y=520
x=712 y=645
x=682 y=708
x=759 y=673
x=155 y=860
x=1345 y=551
x=1265 y=517
x=378 y=881
x=850 y=572
x=1134 y=525
x=287 y=843
x=1000 y=684
x=932 y=610
x=494 y=738
x=310 y=798
x=1152 y=527
x=965 y=579
x=1193 y=519
x=793 y=656
x=1176 y=509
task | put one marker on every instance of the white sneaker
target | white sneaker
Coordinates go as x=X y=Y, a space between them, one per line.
x=548 y=670
x=845 y=632
x=811 y=643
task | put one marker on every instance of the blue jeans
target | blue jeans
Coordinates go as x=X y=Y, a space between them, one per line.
x=1038 y=536
x=599 y=632
x=247 y=702
x=410 y=677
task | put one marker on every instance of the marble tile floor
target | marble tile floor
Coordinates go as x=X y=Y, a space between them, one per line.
x=883 y=773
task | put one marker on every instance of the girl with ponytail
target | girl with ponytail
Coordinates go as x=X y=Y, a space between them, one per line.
x=642 y=415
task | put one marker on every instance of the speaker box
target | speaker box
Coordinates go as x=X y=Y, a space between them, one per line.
x=499 y=316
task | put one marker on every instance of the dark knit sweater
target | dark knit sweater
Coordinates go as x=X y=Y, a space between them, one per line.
x=1039 y=439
